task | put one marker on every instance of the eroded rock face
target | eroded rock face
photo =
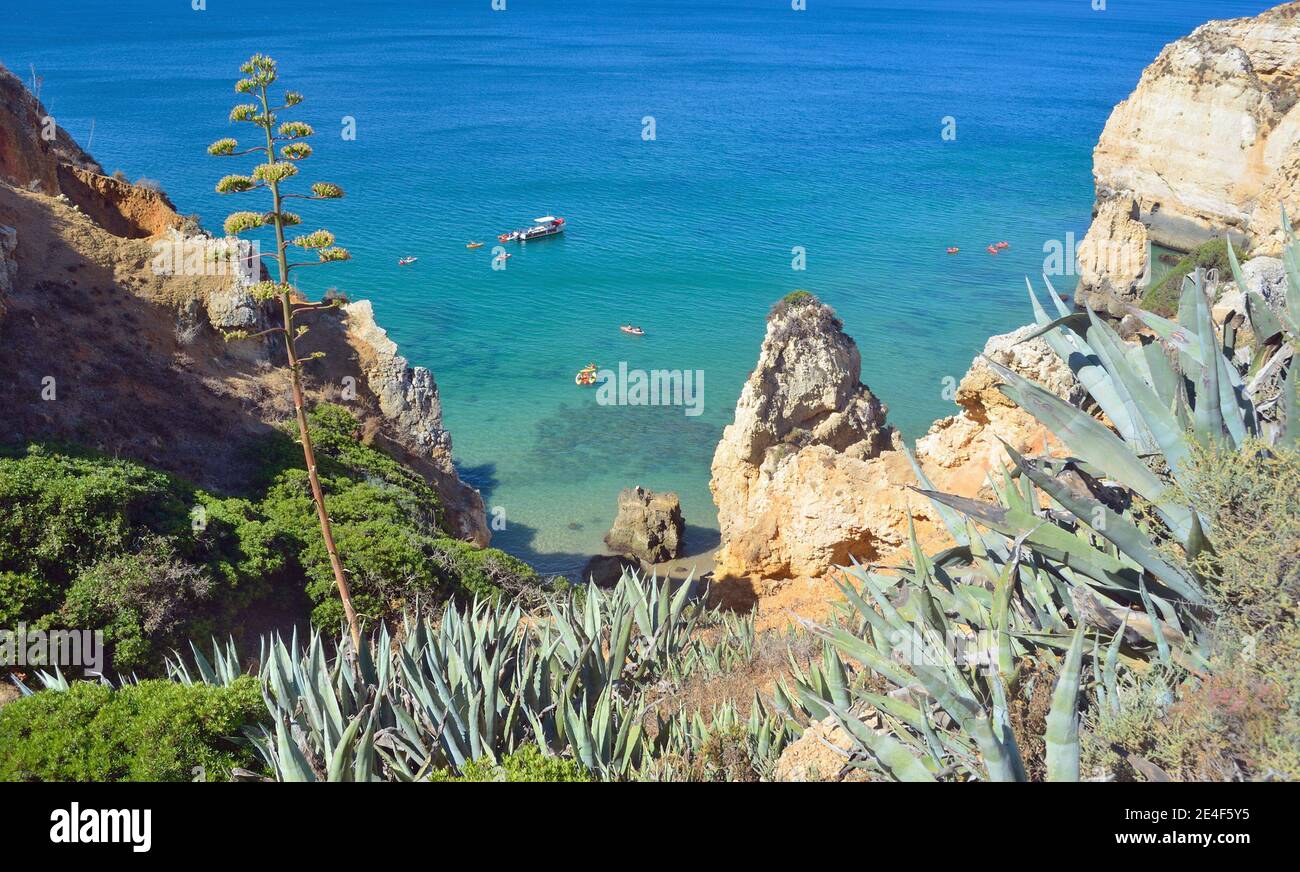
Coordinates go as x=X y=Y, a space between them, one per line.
x=123 y=209
x=977 y=392
x=958 y=451
x=408 y=400
x=1112 y=258
x=31 y=145
x=649 y=526
x=803 y=509
x=39 y=156
x=1266 y=276
x=1208 y=141
x=806 y=390
x=786 y=473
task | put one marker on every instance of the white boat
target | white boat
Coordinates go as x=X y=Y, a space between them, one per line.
x=406 y=261
x=547 y=225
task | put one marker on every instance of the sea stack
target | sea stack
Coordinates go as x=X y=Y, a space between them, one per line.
x=790 y=476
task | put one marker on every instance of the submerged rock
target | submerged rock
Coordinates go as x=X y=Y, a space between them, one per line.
x=649 y=526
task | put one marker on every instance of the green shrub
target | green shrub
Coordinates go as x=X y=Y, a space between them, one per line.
x=153 y=731
x=1253 y=506
x=791 y=300
x=386 y=525
x=526 y=764
x=1162 y=297
x=96 y=543
x=1241 y=719
x=23 y=595
x=64 y=508
x=483 y=572
x=141 y=601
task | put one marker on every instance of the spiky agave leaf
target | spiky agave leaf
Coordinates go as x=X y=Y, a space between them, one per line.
x=1062 y=734
x=1096 y=444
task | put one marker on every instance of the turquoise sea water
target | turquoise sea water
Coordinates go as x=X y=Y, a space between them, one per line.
x=773 y=129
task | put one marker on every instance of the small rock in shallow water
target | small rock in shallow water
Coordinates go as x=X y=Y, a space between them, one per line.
x=649 y=526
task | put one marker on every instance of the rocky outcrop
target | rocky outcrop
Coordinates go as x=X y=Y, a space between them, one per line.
x=1266 y=276
x=32 y=145
x=958 y=451
x=823 y=752
x=408 y=399
x=123 y=209
x=233 y=308
x=1208 y=142
x=1113 y=256
x=802 y=507
x=648 y=526
x=787 y=476
x=977 y=392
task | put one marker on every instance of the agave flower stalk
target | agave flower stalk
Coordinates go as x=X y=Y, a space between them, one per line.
x=261 y=74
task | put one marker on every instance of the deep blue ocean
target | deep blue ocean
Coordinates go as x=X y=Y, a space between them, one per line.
x=773 y=129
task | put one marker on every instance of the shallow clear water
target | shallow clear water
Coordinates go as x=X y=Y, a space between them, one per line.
x=774 y=129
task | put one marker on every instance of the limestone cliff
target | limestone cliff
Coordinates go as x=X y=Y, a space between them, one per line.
x=811 y=474
x=107 y=339
x=409 y=402
x=959 y=451
x=1209 y=142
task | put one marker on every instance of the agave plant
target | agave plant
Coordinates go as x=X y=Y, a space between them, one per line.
x=478 y=685
x=1096 y=546
x=948 y=647
x=734 y=645
x=1276 y=338
x=684 y=738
